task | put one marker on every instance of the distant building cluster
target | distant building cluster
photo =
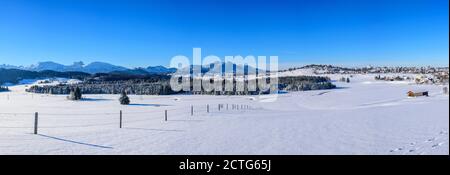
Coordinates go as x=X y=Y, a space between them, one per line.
x=392 y=78
x=425 y=75
x=437 y=78
x=440 y=78
x=330 y=69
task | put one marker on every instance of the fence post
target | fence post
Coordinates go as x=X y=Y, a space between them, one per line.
x=192 y=110
x=120 y=125
x=165 y=118
x=218 y=106
x=227 y=106
x=36 y=122
x=207 y=108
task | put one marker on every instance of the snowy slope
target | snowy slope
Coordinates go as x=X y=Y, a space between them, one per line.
x=357 y=118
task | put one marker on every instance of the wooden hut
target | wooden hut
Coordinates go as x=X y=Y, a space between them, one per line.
x=417 y=94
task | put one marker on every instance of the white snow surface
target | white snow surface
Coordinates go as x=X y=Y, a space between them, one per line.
x=361 y=117
x=50 y=81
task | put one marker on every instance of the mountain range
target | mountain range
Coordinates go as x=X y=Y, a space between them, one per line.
x=102 y=67
x=92 y=68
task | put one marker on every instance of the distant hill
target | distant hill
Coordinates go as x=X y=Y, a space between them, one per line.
x=48 y=65
x=160 y=69
x=92 y=68
x=226 y=68
x=15 y=75
x=97 y=67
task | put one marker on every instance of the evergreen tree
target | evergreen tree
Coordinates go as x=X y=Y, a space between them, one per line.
x=75 y=94
x=72 y=94
x=78 y=94
x=124 y=99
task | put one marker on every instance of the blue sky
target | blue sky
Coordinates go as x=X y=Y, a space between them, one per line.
x=140 y=33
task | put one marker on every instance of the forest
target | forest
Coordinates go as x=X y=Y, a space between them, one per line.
x=160 y=85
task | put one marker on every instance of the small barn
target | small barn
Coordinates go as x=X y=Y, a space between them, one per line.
x=417 y=94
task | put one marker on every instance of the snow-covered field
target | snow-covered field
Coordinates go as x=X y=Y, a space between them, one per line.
x=361 y=117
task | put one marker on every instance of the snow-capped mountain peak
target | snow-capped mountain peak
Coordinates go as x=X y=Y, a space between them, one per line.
x=94 y=67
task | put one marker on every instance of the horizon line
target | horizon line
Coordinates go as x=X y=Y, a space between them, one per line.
x=281 y=65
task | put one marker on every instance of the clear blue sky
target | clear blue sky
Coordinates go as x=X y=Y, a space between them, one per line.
x=141 y=33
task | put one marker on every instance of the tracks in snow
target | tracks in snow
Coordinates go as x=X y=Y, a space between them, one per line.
x=421 y=147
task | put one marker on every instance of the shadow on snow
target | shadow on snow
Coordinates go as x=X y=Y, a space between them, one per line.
x=75 y=142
